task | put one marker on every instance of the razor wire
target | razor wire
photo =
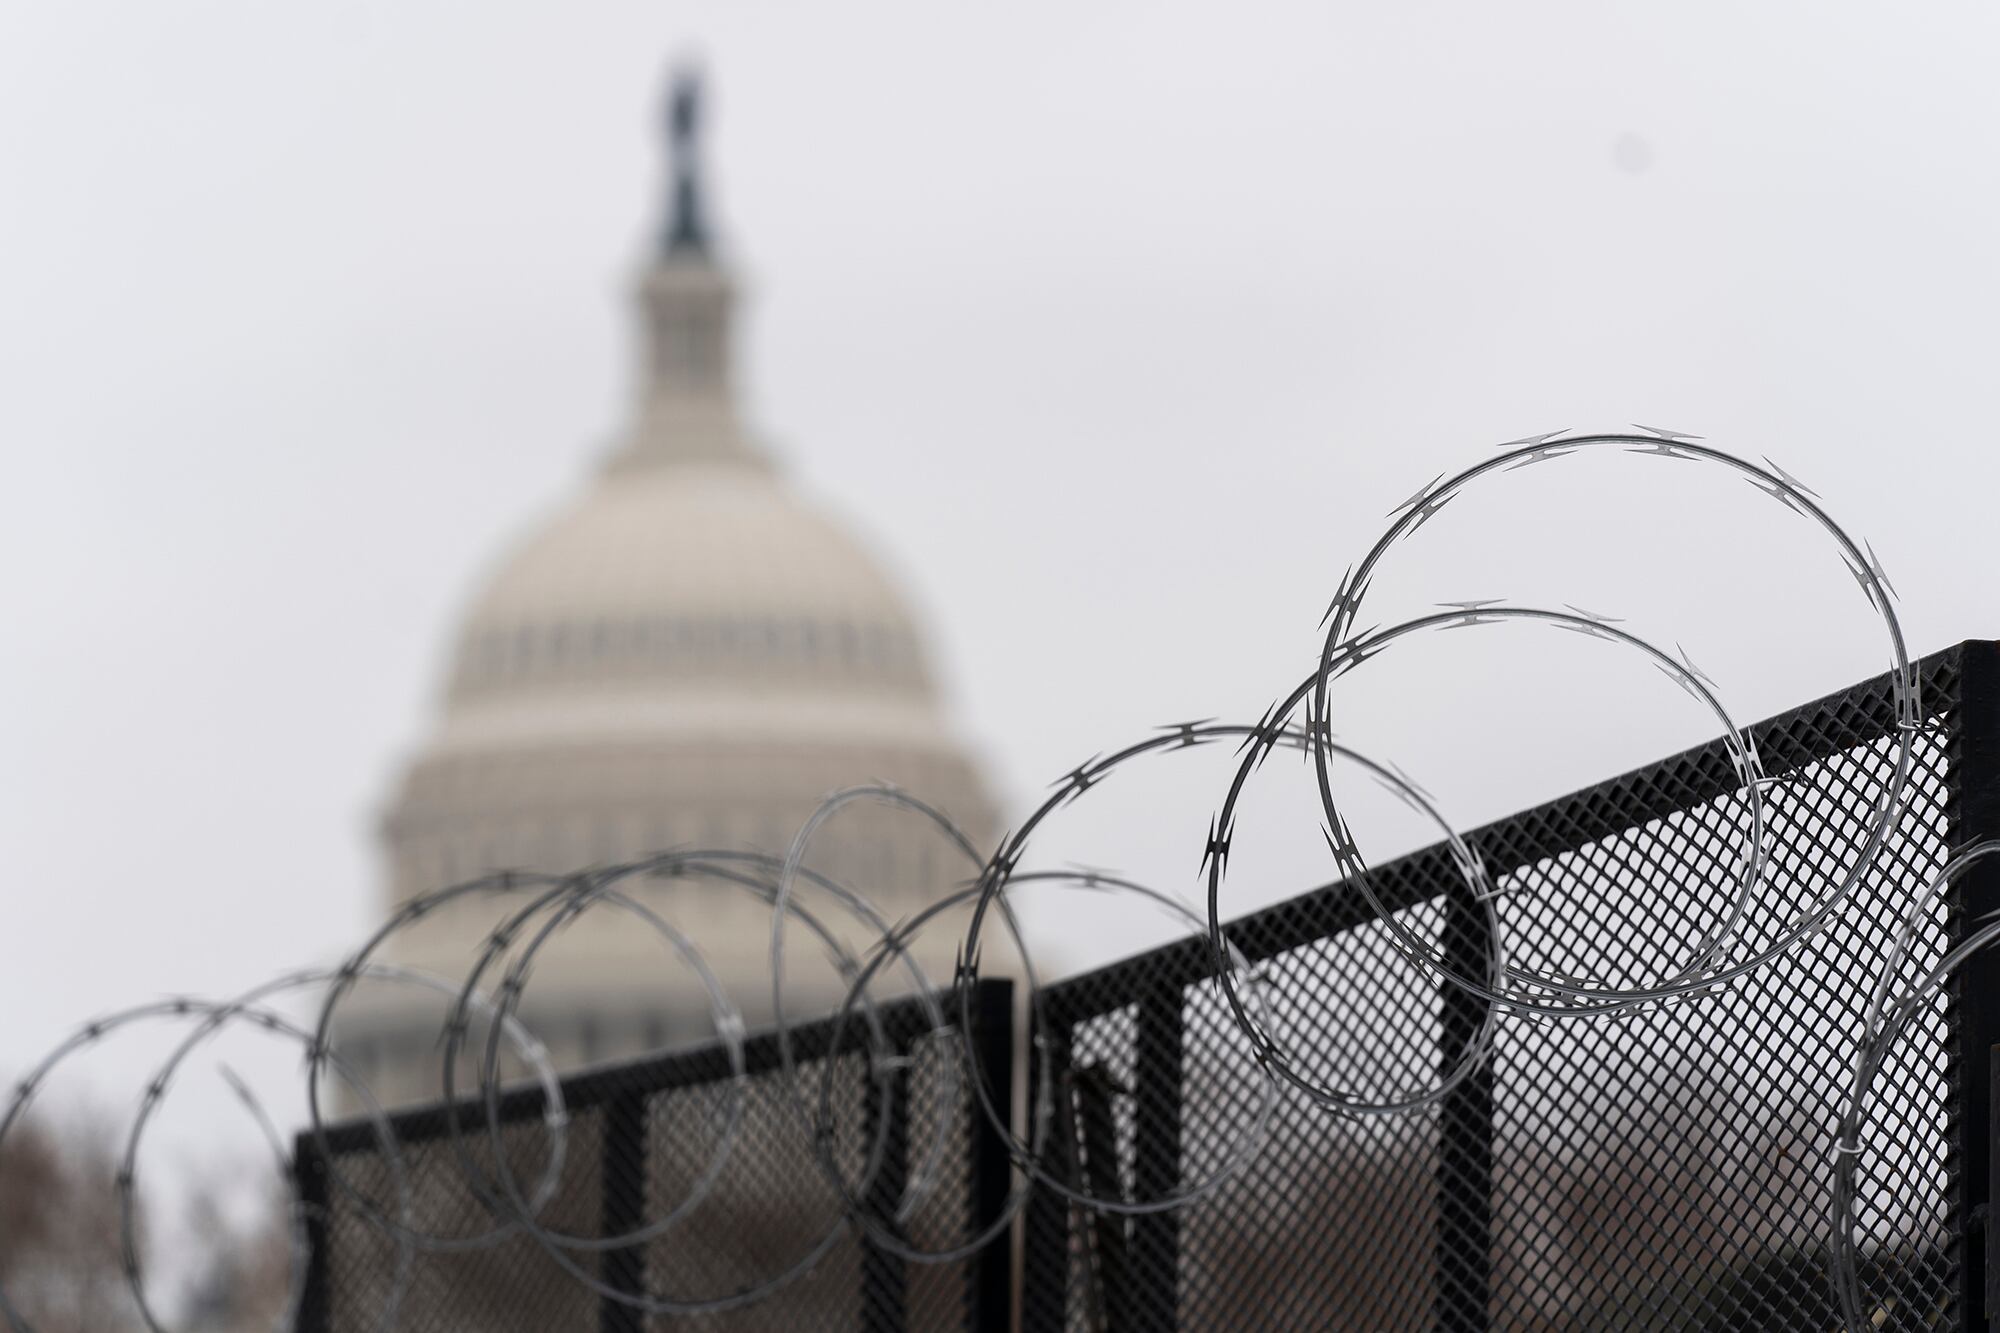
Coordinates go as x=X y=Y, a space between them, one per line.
x=1276 y=1055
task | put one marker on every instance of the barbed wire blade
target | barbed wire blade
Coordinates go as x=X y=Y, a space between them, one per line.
x=1790 y=480
x=1783 y=494
x=1409 y=781
x=1539 y=455
x=1597 y=616
x=1662 y=449
x=1590 y=629
x=1694 y=670
x=1543 y=438
x=1430 y=509
x=1417 y=498
x=1864 y=579
x=1217 y=849
x=1875 y=564
x=1346 y=597
x=1686 y=686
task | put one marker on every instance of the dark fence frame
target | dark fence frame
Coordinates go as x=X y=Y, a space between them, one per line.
x=622 y=1091
x=1961 y=699
x=1960 y=693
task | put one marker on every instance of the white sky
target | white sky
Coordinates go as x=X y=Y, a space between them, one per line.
x=1119 y=327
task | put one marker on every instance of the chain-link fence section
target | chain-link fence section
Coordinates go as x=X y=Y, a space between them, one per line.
x=1662 y=1170
x=641 y=1140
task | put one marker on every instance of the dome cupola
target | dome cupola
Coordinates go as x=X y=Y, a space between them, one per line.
x=685 y=653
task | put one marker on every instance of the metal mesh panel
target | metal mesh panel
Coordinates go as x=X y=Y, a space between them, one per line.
x=771 y=1209
x=1666 y=1171
x=640 y=1137
x=479 y=1288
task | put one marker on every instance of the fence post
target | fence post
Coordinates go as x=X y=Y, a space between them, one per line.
x=623 y=1171
x=1108 y=1289
x=1465 y=1130
x=992 y=1286
x=1992 y=1189
x=1046 y=1241
x=1976 y=989
x=1158 y=1099
x=309 y=1179
x=885 y=1280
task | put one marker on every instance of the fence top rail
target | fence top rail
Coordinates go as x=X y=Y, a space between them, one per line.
x=1786 y=742
x=687 y=1067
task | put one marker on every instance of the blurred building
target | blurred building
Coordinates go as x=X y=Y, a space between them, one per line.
x=687 y=653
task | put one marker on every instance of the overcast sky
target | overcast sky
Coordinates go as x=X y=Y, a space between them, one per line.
x=1116 y=328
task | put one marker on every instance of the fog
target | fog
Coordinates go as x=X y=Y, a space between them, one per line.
x=1116 y=332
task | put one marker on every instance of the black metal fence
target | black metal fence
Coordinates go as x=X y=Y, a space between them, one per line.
x=1662 y=1171
x=639 y=1141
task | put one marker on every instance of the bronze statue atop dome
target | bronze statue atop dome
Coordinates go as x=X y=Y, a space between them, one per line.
x=687 y=225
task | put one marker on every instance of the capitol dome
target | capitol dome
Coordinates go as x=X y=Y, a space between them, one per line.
x=662 y=591
x=687 y=654
x=702 y=540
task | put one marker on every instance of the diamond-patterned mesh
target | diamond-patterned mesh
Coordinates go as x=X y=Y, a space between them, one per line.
x=479 y=1288
x=640 y=1137
x=1668 y=1171
x=1663 y=1171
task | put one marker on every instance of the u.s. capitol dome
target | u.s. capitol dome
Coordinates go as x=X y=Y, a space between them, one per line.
x=686 y=653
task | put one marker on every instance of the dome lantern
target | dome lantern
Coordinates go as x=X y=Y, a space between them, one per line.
x=687 y=222
x=687 y=409
x=687 y=653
